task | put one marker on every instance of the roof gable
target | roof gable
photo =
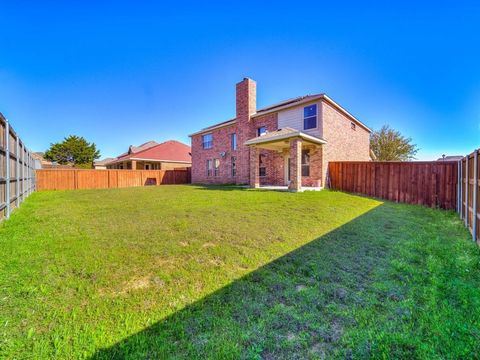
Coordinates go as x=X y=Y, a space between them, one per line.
x=170 y=150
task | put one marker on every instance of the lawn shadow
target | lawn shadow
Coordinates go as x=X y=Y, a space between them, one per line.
x=297 y=306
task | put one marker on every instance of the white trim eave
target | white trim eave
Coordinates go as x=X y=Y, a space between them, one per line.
x=140 y=159
x=286 y=136
x=210 y=129
x=346 y=113
x=313 y=99
x=287 y=106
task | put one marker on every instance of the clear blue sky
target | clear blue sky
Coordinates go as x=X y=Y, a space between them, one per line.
x=122 y=73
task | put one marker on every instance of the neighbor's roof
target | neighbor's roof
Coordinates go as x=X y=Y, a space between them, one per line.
x=134 y=149
x=170 y=150
x=282 y=134
x=103 y=161
x=285 y=105
x=451 y=158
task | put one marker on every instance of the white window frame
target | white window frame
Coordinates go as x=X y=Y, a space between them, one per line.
x=306 y=165
x=216 y=167
x=264 y=133
x=209 y=167
x=207 y=144
x=311 y=116
x=234 y=166
x=262 y=165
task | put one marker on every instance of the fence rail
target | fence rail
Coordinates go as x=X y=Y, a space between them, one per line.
x=468 y=205
x=74 y=179
x=17 y=175
x=431 y=184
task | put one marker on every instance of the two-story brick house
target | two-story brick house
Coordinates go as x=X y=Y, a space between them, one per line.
x=286 y=144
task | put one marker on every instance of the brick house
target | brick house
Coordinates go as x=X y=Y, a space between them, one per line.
x=151 y=155
x=286 y=144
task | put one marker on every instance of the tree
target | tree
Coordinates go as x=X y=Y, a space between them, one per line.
x=73 y=150
x=389 y=145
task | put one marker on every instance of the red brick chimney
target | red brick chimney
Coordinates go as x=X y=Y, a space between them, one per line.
x=246 y=106
x=246 y=99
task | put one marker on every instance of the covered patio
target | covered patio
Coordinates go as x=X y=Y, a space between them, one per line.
x=295 y=157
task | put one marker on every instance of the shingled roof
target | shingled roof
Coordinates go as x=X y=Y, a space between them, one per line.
x=171 y=150
x=285 y=105
x=283 y=134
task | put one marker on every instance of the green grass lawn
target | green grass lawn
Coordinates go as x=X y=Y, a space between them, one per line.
x=221 y=272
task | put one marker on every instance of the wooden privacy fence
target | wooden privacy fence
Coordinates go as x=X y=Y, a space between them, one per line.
x=431 y=184
x=17 y=175
x=73 y=179
x=468 y=187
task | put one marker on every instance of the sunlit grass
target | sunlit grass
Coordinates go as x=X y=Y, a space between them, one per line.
x=183 y=271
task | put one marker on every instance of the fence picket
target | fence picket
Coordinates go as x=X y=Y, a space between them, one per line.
x=72 y=179
x=425 y=183
x=443 y=184
x=475 y=196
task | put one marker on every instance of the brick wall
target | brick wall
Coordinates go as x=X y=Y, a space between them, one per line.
x=343 y=143
x=274 y=162
x=315 y=168
x=221 y=143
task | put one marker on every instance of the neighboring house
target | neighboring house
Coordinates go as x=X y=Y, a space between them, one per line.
x=102 y=164
x=38 y=159
x=451 y=158
x=286 y=144
x=153 y=156
x=42 y=163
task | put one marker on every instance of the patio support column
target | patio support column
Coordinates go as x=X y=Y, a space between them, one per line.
x=134 y=164
x=295 y=165
x=254 y=164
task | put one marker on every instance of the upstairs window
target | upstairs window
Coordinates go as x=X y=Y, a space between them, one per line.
x=209 y=167
x=234 y=141
x=207 y=141
x=261 y=131
x=310 y=117
x=216 y=167
x=305 y=163
x=234 y=166
x=262 y=170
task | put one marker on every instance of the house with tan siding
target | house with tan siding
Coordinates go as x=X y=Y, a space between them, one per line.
x=288 y=144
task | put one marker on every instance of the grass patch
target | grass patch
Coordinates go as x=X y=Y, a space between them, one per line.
x=222 y=272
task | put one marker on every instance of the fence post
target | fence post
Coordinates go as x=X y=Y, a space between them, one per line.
x=26 y=175
x=32 y=174
x=29 y=172
x=459 y=187
x=475 y=191
x=467 y=185
x=7 y=168
x=23 y=172
x=17 y=171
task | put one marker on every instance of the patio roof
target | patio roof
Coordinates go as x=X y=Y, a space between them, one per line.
x=279 y=139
